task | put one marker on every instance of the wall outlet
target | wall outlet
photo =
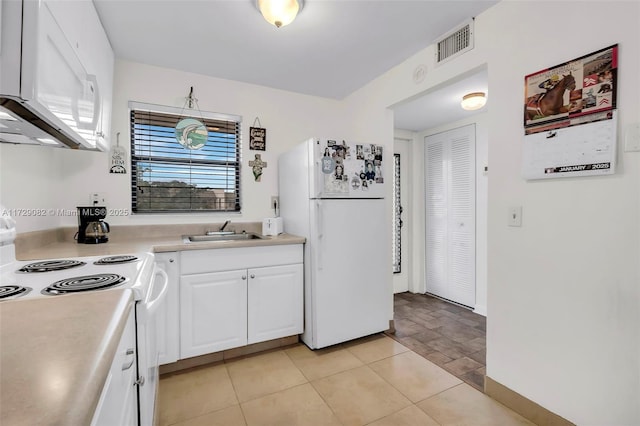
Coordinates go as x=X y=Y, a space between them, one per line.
x=275 y=203
x=97 y=199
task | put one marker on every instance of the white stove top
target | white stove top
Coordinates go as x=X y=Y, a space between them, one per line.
x=136 y=275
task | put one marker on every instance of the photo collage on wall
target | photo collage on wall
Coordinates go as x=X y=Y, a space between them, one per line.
x=351 y=167
x=572 y=93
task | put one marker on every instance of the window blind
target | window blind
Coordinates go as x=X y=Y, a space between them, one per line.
x=166 y=177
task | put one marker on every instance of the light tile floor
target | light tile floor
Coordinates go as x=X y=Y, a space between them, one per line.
x=370 y=381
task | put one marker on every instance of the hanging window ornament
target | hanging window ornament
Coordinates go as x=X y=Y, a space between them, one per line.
x=118 y=158
x=190 y=132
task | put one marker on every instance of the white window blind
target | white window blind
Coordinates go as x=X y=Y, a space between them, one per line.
x=166 y=177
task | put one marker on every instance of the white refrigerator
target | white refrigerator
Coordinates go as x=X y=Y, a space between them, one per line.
x=332 y=193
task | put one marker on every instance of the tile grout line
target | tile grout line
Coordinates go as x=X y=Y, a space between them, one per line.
x=407 y=311
x=235 y=392
x=326 y=402
x=269 y=393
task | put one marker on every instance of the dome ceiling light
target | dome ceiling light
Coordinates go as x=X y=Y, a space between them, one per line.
x=473 y=101
x=279 y=12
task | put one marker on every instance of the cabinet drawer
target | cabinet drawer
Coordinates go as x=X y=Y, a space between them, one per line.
x=202 y=261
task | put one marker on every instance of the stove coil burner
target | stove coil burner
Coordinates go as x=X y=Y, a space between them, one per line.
x=84 y=283
x=51 y=265
x=115 y=260
x=7 y=291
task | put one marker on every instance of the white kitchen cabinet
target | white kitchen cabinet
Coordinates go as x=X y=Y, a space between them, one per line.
x=213 y=312
x=168 y=313
x=274 y=302
x=238 y=296
x=118 y=404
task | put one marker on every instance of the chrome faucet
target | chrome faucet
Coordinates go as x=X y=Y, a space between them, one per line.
x=220 y=231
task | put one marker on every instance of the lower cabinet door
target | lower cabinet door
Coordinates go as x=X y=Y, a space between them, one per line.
x=275 y=304
x=213 y=312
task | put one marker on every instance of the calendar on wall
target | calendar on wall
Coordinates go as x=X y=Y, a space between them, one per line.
x=582 y=150
x=570 y=118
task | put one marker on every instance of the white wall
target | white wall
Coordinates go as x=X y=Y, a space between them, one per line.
x=563 y=303
x=288 y=117
x=64 y=178
x=30 y=185
x=563 y=300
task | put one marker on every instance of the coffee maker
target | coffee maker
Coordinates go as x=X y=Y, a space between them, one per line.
x=92 y=229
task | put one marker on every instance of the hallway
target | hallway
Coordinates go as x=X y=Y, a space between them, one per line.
x=448 y=335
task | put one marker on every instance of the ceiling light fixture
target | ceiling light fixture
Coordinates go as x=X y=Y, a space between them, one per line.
x=279 y=12
x=473 y=101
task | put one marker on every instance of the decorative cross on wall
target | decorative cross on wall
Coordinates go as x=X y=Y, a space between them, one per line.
x=257 y=165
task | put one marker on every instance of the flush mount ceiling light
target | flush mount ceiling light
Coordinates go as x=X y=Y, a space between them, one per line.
x=473 y=101
x=279 y=12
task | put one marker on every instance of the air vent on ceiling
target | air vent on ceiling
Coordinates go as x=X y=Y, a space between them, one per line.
x=455 y=42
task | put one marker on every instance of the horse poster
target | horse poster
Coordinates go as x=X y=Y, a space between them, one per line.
x=571 y=93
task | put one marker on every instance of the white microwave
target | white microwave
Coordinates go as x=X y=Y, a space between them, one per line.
x=56 y=74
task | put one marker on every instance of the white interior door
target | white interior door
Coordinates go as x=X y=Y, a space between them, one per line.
x=450 y=215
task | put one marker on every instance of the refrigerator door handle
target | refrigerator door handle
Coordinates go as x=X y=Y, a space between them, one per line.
x=320 y=233
x=317 y=188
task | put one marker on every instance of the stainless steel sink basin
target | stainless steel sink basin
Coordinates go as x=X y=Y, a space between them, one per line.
x=226 y=236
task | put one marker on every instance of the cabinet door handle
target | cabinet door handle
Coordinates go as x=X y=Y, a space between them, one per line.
x=253 y=276
x=244 y=277
x=128 y=365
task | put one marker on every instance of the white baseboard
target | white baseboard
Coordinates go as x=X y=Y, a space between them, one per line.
x=480 y=310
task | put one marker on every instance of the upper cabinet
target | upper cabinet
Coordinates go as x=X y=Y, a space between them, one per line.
x=56 y=74
x=79 y=21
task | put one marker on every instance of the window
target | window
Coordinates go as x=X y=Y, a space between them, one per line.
x=166 y=177
x=397 y=212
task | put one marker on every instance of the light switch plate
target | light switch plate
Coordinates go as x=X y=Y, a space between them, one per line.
x=515 y=216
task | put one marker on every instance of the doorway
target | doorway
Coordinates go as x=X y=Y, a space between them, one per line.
x=450 y=336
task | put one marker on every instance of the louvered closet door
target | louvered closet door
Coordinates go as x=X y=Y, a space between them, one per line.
x=450 y=215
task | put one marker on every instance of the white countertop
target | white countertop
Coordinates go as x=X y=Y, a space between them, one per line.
x=144 y=244
x=56 y=354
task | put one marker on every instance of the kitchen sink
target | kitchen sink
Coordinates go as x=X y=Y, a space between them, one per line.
x=223 y=236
